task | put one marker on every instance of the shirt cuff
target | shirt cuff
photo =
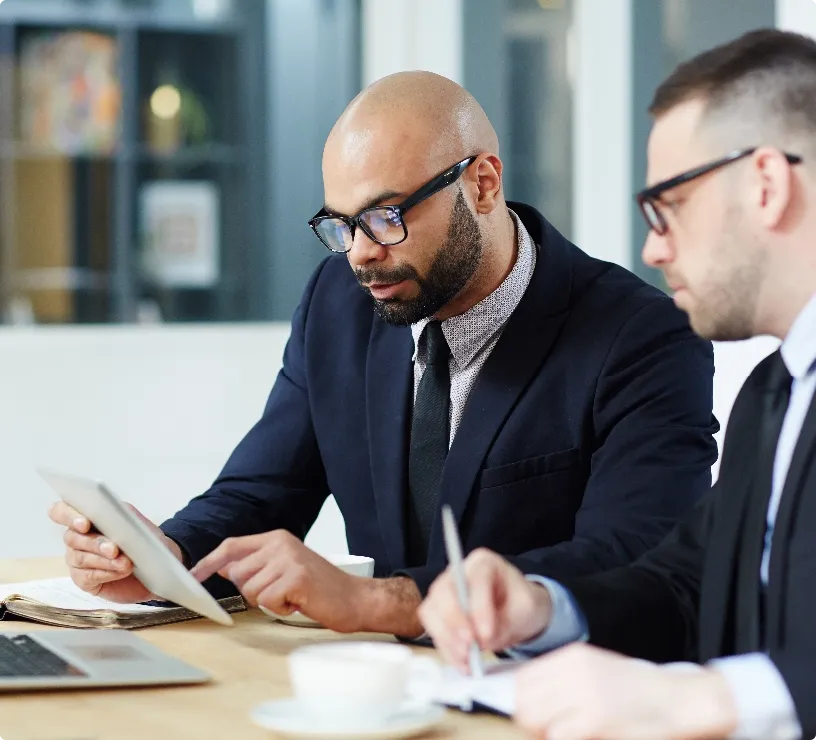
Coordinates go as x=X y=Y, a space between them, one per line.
x=764 y=704
x=567 y=623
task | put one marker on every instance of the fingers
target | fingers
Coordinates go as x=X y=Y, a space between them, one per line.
x=67 y=516
x=270 y=581
x=82 y=560
x=536 y=704
x=90 y=543
x=505 y=607
x=78 y=534
x=555 y=698
x=276 y=595
x=92 y=559
x=90 y=568
x=483 y=575
x=92 y=581
x=227 y=552
x=241 y=572
x=446 y=622
x=489 y=580
x=552 y=717
x=234 y=549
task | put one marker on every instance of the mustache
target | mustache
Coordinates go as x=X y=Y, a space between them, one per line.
x=370 y=276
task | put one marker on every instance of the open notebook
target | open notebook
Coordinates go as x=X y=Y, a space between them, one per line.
x=57 y=601
x=494 y=692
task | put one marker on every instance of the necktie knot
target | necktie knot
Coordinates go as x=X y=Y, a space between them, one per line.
x=437 y=346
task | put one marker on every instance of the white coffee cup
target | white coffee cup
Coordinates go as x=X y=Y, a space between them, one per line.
x=356 y=565
x=360 y=684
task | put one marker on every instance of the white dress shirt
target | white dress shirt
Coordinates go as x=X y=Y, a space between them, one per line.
x=766 y=710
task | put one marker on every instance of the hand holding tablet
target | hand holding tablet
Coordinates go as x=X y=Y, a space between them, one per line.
x=154 y=565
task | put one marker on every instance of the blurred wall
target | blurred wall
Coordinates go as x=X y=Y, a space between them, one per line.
x=154 y=412
x=796 y=15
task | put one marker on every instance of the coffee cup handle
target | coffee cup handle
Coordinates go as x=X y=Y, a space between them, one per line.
x=424 y=680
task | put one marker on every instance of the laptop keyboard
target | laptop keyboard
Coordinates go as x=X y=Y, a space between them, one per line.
x=21 y=656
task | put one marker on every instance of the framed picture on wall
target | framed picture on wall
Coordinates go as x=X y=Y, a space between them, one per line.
x=180 y=227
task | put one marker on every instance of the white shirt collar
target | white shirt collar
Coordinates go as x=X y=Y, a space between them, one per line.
x=799 y=348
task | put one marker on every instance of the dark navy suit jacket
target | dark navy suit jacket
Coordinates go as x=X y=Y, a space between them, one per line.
x=586 y=437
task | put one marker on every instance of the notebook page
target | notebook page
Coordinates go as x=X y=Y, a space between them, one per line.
x=64 y=594
x=496 y=690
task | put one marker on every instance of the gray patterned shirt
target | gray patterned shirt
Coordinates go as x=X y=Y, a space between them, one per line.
x=472 y=335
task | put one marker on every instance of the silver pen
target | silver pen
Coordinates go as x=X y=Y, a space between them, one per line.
x=454 y=550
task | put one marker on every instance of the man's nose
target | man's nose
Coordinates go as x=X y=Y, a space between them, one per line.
x=365 y=250
x=657 y=249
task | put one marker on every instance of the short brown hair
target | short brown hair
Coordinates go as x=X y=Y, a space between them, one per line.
x=772 y=69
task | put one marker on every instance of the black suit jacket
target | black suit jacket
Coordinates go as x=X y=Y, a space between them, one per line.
x=586 y=437
x=680 y=600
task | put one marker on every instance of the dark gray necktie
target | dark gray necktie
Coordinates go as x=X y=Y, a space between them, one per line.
x=750 y=635
x=430 y=429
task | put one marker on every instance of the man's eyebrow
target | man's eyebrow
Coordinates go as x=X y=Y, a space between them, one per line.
x=370 y=203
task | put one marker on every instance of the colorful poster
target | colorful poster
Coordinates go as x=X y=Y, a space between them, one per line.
x=70 y=97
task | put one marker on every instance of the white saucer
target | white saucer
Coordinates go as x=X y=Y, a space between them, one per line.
x=296 y=619
x=287 y=718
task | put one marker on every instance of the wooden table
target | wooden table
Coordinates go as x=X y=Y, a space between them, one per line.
x=248 y=666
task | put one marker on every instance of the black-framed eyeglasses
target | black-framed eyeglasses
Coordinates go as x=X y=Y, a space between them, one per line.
x=382 y=224
x=649 y=199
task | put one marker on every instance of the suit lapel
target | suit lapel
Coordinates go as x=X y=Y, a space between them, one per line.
x=801 y=463
x=737 y=495
x=523 y=346
x=389 y=398
x=507 y=372
x=748 y=618
x=748 y=626
x=717 y=591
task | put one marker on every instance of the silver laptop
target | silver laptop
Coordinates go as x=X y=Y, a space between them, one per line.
x=75 y=658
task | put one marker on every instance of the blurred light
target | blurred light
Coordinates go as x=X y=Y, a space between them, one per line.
x=165 y=102
x=551 y=4
x=209 y=8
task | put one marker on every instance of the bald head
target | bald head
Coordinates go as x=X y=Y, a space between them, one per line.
x=451 y=246
x=419 y=117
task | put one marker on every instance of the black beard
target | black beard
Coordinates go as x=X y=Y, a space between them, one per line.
x=453 y=266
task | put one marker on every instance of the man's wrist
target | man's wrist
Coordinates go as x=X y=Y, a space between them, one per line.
x=541 y=612
x=708 y=709
x=390 y=605
x=174 y=547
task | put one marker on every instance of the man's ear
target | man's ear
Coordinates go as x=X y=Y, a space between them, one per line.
x=488 y=176
x=772 y=185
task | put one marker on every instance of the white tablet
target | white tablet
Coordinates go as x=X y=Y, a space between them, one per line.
x=154 y=565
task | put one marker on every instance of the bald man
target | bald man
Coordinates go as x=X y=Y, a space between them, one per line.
x=470 y=356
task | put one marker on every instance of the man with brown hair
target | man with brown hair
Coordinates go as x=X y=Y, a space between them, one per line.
x=732 y=217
